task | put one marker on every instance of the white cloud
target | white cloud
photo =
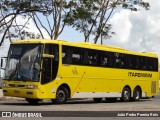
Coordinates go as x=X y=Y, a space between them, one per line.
x=30 y=27
x=137 y=31
x=118 y=21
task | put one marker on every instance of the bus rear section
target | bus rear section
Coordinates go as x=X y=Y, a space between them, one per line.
x=110 y=73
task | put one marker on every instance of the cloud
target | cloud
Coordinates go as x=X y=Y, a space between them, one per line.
x=30 y=27
x=137 y=31
x=118 y=23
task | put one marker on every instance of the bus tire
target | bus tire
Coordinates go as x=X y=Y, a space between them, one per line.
x=33 y=101
x=97 y=100
x=62 y=95
x=126 y=94
x=110 y=100
x=136 y=94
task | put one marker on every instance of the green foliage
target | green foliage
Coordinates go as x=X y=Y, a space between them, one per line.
x=31 y=9
x=89 y=17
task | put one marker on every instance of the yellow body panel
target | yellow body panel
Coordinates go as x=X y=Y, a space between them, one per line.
x=94 y=79
x=86 y=78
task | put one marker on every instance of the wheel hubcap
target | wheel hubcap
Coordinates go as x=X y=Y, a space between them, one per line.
x=137 y=95
x=126 y=95
x=61 y=95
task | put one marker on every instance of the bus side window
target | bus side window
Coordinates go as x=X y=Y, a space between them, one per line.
x=130 y=62
x=145 y=63
x=123 y=60
x=152 y=65
x=111 y=59
x=104 y=59
x=85 y=59
x=66 y=55
x=119 y=60
x=137 y=62
x=142 y=63
x=92 y=56
x=77 y=56
x=155 y=64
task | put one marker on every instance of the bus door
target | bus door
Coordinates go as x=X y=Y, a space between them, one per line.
x=46 y=70
x=50 y=63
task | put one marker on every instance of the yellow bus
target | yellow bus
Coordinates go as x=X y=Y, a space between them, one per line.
x=60 y=70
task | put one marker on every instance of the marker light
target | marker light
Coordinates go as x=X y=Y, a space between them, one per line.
x=31 y=86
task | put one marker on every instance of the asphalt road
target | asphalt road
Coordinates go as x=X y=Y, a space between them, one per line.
x=12 y=104
x=152 y=104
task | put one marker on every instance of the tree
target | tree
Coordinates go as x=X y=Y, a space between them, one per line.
x=90 y=17
x=53 y=12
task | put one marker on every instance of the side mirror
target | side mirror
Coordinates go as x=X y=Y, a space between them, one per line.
x=47 y=56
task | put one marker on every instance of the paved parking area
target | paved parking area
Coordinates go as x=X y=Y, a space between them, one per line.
x=10 y=103
x=1 y=94
x=0 y=83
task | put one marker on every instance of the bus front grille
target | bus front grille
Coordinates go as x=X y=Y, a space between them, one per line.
x=16 y=85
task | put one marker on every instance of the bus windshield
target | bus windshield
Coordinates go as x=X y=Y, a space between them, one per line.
x=23 y=63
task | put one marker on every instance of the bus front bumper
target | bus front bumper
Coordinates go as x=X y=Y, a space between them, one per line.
x=23 y=93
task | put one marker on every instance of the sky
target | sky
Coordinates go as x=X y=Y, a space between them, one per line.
x=136 y=31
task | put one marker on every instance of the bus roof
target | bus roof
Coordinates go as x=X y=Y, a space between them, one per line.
x=84 y=45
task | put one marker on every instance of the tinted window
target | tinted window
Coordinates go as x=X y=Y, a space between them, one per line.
x=104 y=59
x=155 y=64
x=120 y=60
x=92 y=57
x=98 y=58
x=67 y=55
x=77 y=56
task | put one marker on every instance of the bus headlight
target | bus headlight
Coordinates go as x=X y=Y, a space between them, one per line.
x=31 y=86
x=5 y=85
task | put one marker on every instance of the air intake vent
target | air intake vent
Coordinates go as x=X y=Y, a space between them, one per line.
x=153 y=87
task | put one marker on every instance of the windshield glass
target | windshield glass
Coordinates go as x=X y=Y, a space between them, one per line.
x=23 y=62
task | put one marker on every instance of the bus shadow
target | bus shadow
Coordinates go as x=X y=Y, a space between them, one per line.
x=117 y=102
x=69 y=102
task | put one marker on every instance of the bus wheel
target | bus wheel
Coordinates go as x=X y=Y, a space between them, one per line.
x=110 y=100
x=136 y=94
x=61 y=96
x=126 y=95
x=33 y=101
x=97 y=100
